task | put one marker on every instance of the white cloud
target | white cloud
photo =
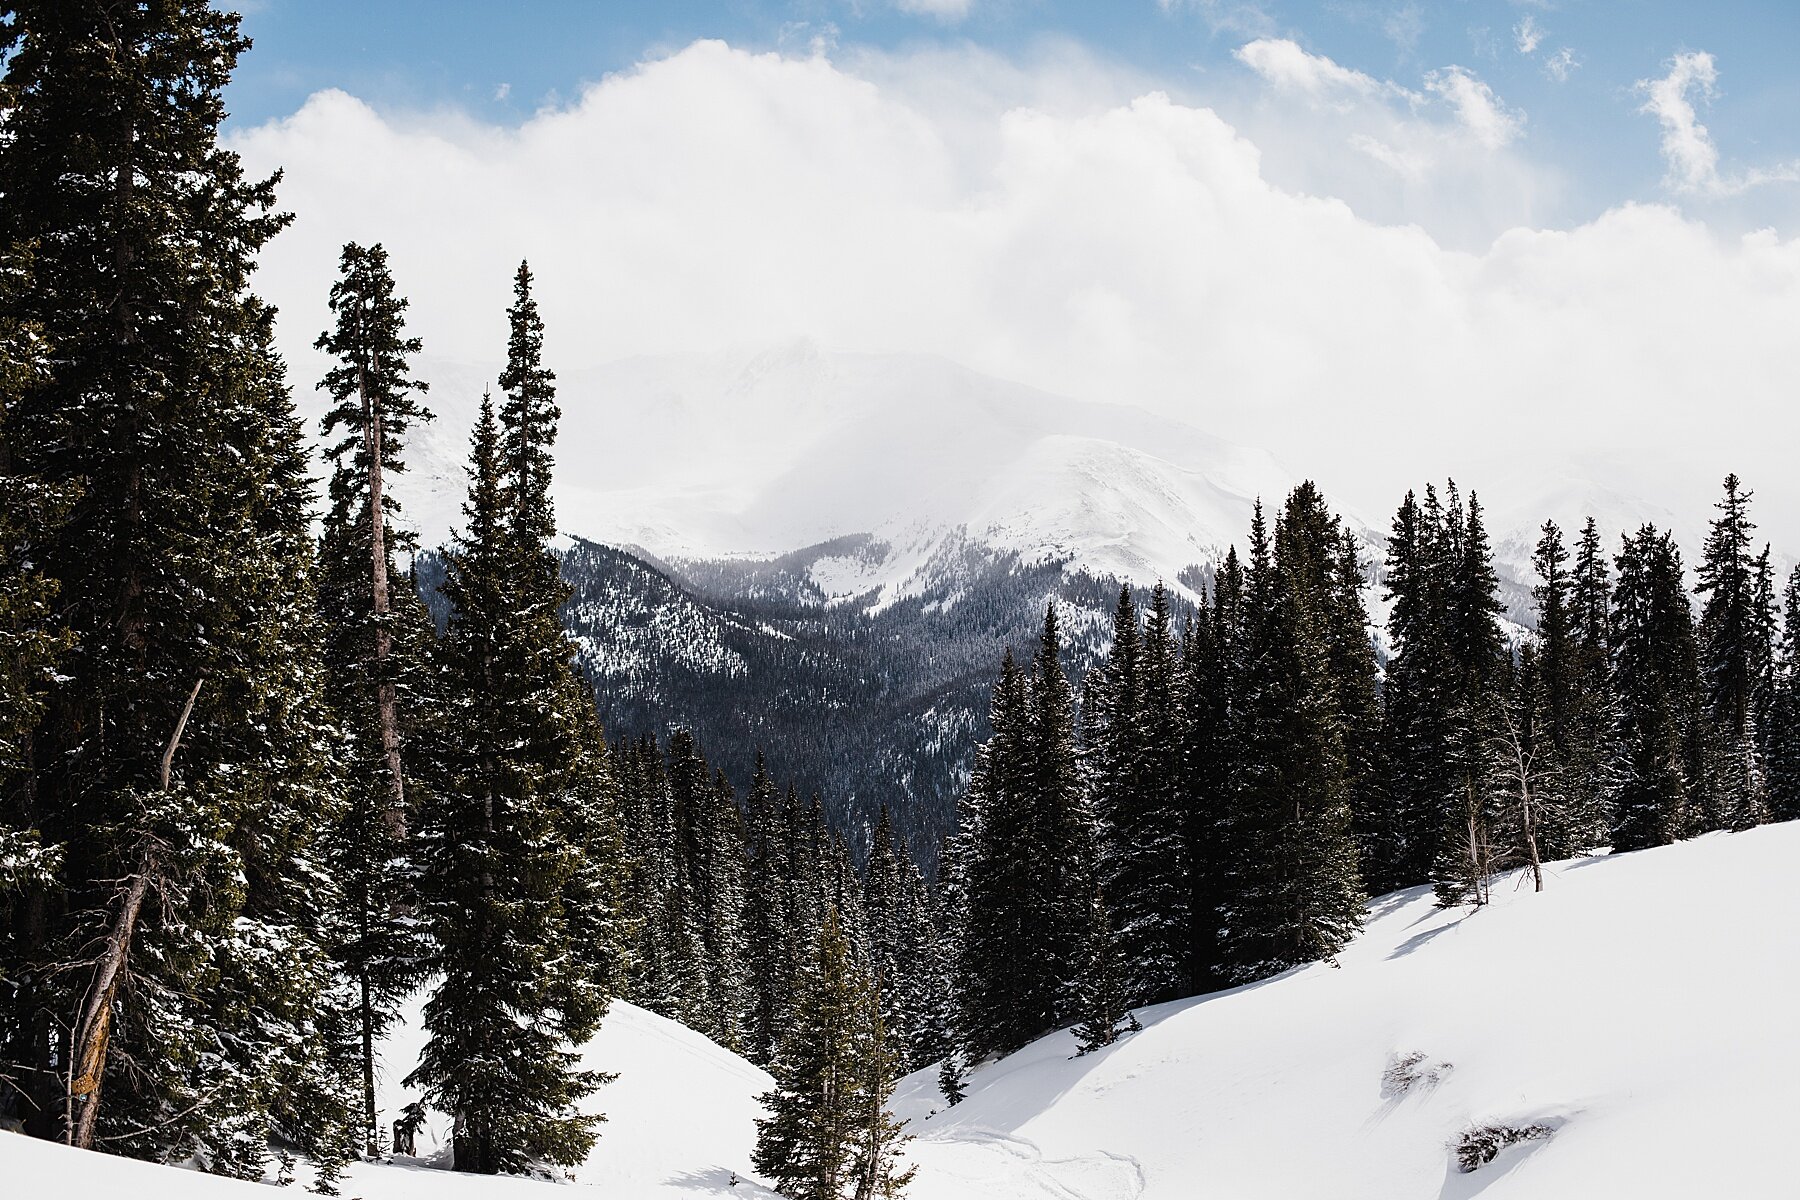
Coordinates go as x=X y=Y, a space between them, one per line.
x=503 y=91
x=1528 y=35
x=1561 y=65
x=943 y=10
x=1285 y=65
x=720 y=198
x=1687 y=145
x=1482 y=113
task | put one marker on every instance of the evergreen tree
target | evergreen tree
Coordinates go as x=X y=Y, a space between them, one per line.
x=1479 y=665
x=517 y=905
x=827 y=1135
x=768 y=927
x=1131 y=753
x=1784 y=711
x=1297 y=892
x=1028 y=874
x=32 y=638
x=1590 y=750
x=378 y=945
x=178 y=759
x=1656 y=673
x=1732 y=648
x=1212 y=661
x=1400 y=836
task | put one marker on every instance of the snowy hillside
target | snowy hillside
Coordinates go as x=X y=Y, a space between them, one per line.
x=1634 y=1018
x=1637 y=1014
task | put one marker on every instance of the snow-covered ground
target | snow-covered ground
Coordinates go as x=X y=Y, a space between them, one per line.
x=1639 y=1011
x=1641 y=1008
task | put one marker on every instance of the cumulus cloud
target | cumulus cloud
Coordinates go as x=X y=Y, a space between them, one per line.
x=1687 y=145
x=1489 y=121
x=1137 y=250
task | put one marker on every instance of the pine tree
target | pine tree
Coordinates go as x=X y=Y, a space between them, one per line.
x=179 y=759
x=1213 y=659
x=1591 y=751
x=1656 y=674
x=767 y=921
x=517 y=905
x=1297 y=892
x=828 y=1135
x=1102 y=1010
x=1478 y=675
x=1784 y=711
x=1400 y=836
x=366 y=672
x=1732 y=649
x=1131 y=753
x=32 y=638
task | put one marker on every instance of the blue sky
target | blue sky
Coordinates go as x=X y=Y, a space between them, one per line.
x=503 y=61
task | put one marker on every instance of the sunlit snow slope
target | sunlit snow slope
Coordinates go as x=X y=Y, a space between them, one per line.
x=1640 y=1010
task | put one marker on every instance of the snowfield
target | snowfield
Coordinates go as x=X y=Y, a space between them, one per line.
x=1635 y=1020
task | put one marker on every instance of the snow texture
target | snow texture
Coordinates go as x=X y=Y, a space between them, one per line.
x=1625 y=1033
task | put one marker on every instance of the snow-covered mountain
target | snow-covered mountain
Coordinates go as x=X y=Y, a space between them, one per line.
x=1630 y=1027
x=704 y=457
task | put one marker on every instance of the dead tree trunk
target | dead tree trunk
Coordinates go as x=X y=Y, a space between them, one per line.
x=92 y=1035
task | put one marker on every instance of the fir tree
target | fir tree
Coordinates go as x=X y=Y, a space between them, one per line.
x=1656 y=674
x=828 y=1135
x=1732 y=649
x=179 y=757
x=378 y=945
x=513 y=897
x=1784 y=711
x=1297 y=892
x=768 y=933
x=1131 y=748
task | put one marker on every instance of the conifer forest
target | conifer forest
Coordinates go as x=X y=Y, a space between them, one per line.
x=319 y=832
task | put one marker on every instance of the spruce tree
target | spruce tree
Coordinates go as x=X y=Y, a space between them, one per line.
x=516 y=901
x=767 y=920
x=378 y=646
x=1656 y=674
x=828 y=1135
x=1784 y=711
x=1733 y=649
x=1400 y=835
x=1131 y=754
x=179 y=758
x=1297 y=891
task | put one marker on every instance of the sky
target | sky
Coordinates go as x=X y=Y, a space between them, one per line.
x=1383 y=240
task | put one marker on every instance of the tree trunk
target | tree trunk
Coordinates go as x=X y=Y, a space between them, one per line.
x=385 y=701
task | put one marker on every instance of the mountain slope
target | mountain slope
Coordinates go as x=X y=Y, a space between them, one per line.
x=1638 y=1012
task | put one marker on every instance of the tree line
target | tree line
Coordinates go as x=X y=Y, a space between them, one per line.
x=1225 y=796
